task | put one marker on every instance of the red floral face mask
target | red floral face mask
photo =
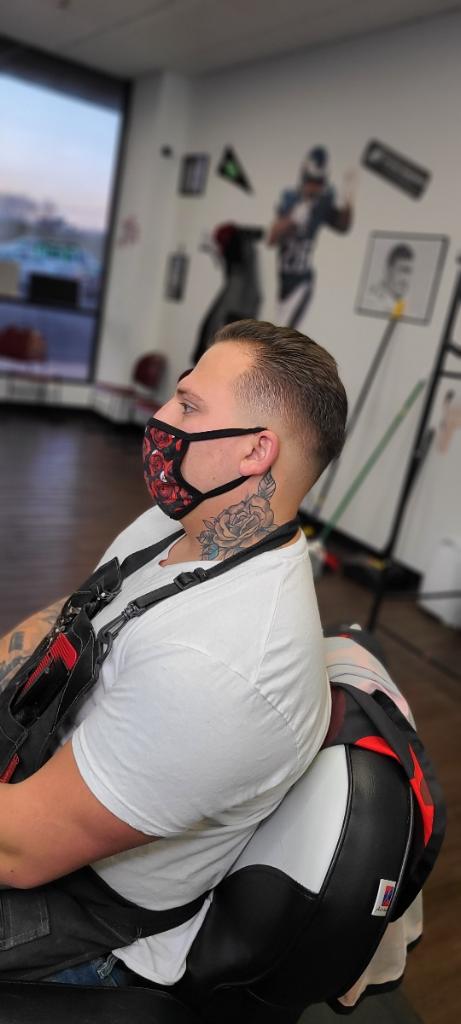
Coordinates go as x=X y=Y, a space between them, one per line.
x=163 y=451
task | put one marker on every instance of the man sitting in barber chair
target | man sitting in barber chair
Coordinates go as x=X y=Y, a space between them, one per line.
x=209 y=706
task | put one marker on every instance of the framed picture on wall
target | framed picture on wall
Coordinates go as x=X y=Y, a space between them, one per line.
x=404 y=267
x=194 y=174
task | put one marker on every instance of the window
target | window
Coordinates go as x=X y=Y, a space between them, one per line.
x=60 y=132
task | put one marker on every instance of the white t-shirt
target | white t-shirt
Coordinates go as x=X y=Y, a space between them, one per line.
x=207 y=710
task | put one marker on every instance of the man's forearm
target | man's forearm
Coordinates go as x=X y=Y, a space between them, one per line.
x=19 y=644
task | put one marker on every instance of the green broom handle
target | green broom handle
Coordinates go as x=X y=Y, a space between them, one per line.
x=372 y=459
x=395 y=316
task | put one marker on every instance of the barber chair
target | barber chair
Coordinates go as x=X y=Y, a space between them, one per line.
x=293 y=923
x=22 y=343
x=149 y=370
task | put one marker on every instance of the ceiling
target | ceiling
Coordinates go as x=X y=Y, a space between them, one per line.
x=132 y=37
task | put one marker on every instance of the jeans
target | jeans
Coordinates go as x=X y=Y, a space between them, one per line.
x=108 y=971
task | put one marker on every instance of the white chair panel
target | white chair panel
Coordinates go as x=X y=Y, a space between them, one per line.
x=301 y=836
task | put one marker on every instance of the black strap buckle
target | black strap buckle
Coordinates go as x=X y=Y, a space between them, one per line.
x=190 y=579
x=109 y=633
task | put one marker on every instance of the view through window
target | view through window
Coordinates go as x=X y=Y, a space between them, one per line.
x=58 y=159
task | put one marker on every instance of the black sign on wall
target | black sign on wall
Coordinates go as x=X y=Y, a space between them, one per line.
x=397 y=169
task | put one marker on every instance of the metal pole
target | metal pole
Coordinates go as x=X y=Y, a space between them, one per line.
x=420 y=448
x=362 y=396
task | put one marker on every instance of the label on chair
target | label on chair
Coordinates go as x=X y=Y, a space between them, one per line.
x=384 y=897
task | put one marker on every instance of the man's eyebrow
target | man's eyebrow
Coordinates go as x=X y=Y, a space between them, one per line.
x=184 y=392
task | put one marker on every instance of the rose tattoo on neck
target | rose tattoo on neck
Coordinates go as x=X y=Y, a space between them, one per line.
x=241 y=525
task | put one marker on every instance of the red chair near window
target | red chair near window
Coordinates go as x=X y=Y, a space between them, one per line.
x=22 y=343
x=150 y=370
x=148 y=374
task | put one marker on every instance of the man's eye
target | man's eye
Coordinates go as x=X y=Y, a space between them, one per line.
x=186 y=407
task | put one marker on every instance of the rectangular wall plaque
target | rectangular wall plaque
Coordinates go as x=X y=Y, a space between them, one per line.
x=397 y=169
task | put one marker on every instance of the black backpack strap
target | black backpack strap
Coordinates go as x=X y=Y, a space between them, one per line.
x=139 y=558
x=88 y=888
x=191 y=578
x=108 y=578
x=276 y=539
x=105 y=582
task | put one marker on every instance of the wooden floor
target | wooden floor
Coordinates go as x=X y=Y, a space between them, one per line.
x=70 y=481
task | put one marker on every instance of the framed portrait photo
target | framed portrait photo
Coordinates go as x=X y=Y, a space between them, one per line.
x=401 y=267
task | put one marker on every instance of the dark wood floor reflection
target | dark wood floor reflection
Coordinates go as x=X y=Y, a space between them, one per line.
x=70 y=481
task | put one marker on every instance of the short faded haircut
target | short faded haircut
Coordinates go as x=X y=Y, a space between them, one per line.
x=295 y=379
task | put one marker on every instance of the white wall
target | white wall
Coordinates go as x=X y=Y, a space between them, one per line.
x=148 y=194
x=401 y=87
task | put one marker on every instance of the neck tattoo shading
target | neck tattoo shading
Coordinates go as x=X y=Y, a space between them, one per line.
x=240 y=526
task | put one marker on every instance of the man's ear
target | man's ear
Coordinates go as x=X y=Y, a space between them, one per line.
x=264 y=452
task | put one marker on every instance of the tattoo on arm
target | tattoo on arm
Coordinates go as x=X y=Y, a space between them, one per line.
x=240 y=526
x=16 y=640
x=49 y=615
x=17 y=646
x=8 y=668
